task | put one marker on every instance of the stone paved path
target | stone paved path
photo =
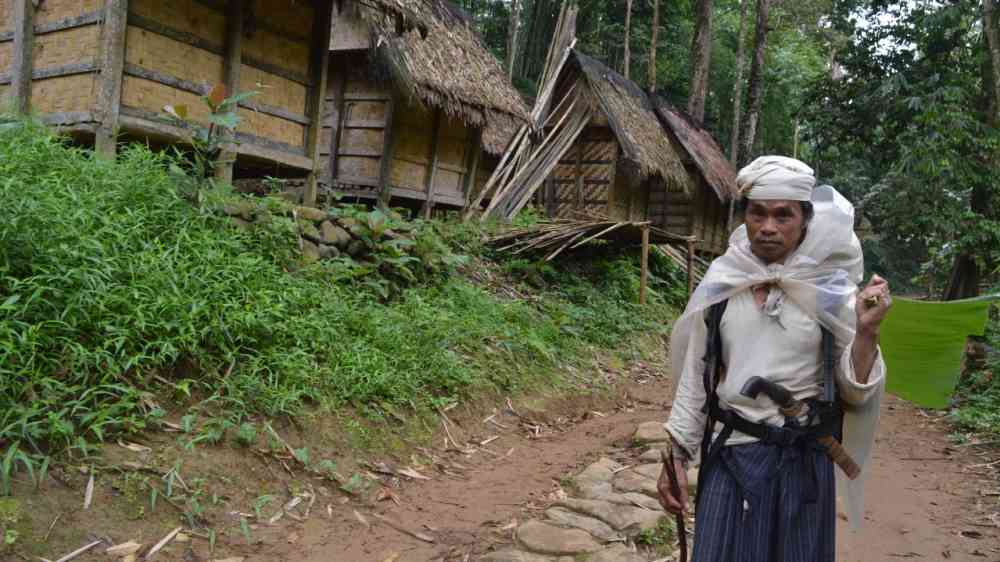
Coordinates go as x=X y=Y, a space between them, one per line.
x=608 y=510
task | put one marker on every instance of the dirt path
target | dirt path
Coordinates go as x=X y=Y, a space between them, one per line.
x=926 y=499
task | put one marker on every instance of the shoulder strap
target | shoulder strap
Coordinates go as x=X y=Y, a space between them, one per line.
x=713 y=348
x=829 y=362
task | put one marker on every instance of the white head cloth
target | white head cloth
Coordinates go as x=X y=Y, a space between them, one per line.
x=776 y=177
x=822 y=278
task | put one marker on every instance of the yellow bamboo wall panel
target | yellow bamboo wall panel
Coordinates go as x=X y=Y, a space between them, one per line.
x=6 y=15
x=355 y=168
x=6 y=54
x=184 y=15
x=294 y=18
x=273 y=49
x=173 y=58
x=70 y=46
x=152 y=96
x=271 y=128
x=273 y=90
x=64 y=93
x=409 y=175
x=55 y=10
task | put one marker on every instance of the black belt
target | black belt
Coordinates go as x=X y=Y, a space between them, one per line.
x=793 y=435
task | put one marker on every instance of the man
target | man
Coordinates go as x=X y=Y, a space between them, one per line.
x=782 y=299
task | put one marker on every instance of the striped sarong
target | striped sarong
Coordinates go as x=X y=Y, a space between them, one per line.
x=755 y=506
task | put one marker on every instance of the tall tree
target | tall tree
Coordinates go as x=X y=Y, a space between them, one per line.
x=734 y=136
x=701 y=49
x=992 y=78
x=514 y=27
x=651 y=77
x=628 y=32
x=748 y=130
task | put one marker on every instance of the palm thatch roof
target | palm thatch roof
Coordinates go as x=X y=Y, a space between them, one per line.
x=448 y=67
x=633 y=118
x=705 y=152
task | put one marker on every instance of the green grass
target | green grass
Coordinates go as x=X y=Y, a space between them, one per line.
x=923 y=343
x=121 y=301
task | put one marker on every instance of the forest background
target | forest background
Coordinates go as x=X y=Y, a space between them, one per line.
x=893 y=103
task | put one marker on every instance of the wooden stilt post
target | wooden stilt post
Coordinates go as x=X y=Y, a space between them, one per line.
x=644 y=273
x=232 y=64
x=317 y=98
x=431 y=177
x=690 y=266
x=388 y=148
x=109 y=92
x=23 y=62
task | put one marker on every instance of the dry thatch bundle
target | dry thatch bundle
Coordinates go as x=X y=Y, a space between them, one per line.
x=634 y=120
x=706 y=153
x=449 y=67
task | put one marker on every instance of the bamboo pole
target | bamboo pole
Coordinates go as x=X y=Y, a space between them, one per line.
x=109 y=93
x=317 y=99
x=644 y=273
x=690 y=264
x=232 y=65
x=22 y=63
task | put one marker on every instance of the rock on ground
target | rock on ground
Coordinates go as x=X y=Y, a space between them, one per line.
x=617 y=553
x=621 y=517
x=514 y=555
x=631 y=481
x=651 y=432
x=544 y=538
x=595 y=527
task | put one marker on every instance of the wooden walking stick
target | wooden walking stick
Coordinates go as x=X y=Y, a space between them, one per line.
x=675 y=489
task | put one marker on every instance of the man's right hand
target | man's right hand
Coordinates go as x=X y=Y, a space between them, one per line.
x=667 y=499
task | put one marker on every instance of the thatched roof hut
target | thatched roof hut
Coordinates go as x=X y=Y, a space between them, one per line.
x=410 y=113
x=608 y=148
x=632 y=116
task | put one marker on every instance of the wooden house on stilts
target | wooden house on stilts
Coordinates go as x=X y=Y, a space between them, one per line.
x=417 y=120
x=104 y=69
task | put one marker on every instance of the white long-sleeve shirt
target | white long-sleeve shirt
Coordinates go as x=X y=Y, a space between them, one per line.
x=786 y=350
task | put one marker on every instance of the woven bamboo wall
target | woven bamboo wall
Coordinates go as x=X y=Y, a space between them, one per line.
x=273 y=90
x=583 y=179
x=413 y=128
x=272 y=128
x=453 y=158
x=172 y=58
x=152 y=96
x=184 y=15
x=6 y=18
x=66 y=93
x=284 y=16
x=271 y=48
x=6 y=52
x=54 y=10
x=67 y=47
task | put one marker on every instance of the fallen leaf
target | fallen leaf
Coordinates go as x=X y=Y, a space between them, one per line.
x=134 y=447
x=293 y=538
x=361 y=519
x=410 y=473
x=88 y=495
x=124 y=549
x=392 y=557
x=233 y=559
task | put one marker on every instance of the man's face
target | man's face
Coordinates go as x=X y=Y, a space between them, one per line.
x=775 y=229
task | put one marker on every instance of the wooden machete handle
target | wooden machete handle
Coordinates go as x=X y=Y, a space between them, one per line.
x=840 y=456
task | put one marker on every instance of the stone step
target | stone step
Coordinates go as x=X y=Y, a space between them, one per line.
x=629 y=519
x=544 y=538
x=651 y=432
x=617 y=553
x=597 y=528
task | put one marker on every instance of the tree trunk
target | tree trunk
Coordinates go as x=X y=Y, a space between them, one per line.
x=513 y=28
x=651 y=77
x=992 y=34
x=701 y=47
x=628 y=33
x=734 y=135
x=964 y=281
x=748 y=132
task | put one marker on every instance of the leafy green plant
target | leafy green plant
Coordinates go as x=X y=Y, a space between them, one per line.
x=246 y=435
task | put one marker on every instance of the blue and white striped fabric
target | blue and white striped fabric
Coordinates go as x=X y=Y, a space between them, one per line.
x=753 y=506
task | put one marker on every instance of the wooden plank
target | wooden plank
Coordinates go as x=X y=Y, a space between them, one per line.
x=320 y=69
x=365 y=124
x=432 y=169
x=388 y=148
x=109 y=89
x=337 y=105
x=261 y=23
x=56 y=71
x=21 y=64
x=231 y=63
x=476 y=146
x=89 y=18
